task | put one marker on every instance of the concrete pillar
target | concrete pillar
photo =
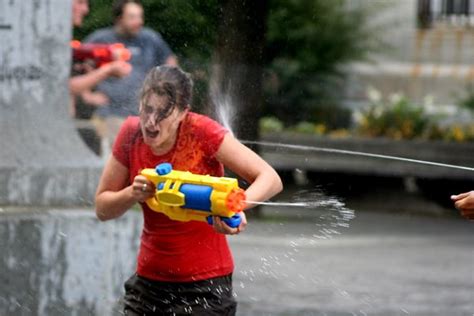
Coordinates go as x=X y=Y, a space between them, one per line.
x=42 y=159
x=57 y=258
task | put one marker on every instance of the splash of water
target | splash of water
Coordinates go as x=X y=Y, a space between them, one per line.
x=308 y=204
x=226 y=113
x=290 y=204
x=330 y=219
x=355 y=153
x=223 y=108
x=331 y=210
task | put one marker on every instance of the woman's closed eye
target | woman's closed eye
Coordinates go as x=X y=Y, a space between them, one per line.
x=148 y=109
x=160 y=114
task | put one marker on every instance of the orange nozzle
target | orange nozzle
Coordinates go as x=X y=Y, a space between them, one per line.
x=125 y=55
x=118 y=46
x=235 y=201
x=75 y=44
x=121 y=52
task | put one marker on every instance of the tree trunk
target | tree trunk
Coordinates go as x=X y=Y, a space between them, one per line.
x=236 y=83
x=238 y=64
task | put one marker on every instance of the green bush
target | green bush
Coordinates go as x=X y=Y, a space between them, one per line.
x=308 y=41
x=305 y=127
x=270 y=124
x=399 y=120
x=468 y=101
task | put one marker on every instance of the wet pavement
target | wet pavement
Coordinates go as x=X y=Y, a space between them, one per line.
x=382 y=264
x=291 y=262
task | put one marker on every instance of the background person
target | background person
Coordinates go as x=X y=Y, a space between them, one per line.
x=148 y=50
x=85 y=82
x=83 y=79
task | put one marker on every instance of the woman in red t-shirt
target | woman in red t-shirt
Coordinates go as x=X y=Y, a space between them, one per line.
x=183 y=267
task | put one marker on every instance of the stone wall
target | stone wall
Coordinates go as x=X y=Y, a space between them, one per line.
x=42 y=159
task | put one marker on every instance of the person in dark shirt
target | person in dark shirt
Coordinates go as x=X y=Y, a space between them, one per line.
x=83 y=80
x=81 y=83
x=148 y=49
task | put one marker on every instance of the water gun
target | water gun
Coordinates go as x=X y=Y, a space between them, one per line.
x=184 y=196
x=99 y=54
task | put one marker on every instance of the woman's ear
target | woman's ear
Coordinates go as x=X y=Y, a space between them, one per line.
x=183 y=113
x=180 y=116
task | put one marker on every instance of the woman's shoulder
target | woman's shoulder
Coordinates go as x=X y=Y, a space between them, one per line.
x=205 y=131
x=197 y=120
x=131 y=123
x=126 y=138
x=129 y=130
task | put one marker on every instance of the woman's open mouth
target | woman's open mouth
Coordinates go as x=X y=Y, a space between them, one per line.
x=151 y=134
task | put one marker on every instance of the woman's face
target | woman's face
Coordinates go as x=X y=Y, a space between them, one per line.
x=80 y=8
x=159 y=124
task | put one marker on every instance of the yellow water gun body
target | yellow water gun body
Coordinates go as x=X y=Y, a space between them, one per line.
x=184 y=196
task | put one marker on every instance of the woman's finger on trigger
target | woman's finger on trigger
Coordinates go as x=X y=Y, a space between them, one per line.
x=216 y=221
x=236 y=230
x=226 y=228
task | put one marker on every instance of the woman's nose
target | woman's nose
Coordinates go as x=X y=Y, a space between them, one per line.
x=151 y=119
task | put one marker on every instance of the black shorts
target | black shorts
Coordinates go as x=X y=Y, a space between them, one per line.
x=207 y=297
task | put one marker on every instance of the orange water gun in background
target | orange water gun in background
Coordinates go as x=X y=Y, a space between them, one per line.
x=99 y=54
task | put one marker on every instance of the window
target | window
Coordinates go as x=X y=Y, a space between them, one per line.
x=445 y=12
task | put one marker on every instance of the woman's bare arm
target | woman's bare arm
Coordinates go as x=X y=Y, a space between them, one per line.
x=264 y=180
x=115 y=195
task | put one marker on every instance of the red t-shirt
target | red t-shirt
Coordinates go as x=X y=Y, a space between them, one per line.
x=172 y=250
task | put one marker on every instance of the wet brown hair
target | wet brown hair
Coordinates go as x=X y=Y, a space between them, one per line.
x=169 y=81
